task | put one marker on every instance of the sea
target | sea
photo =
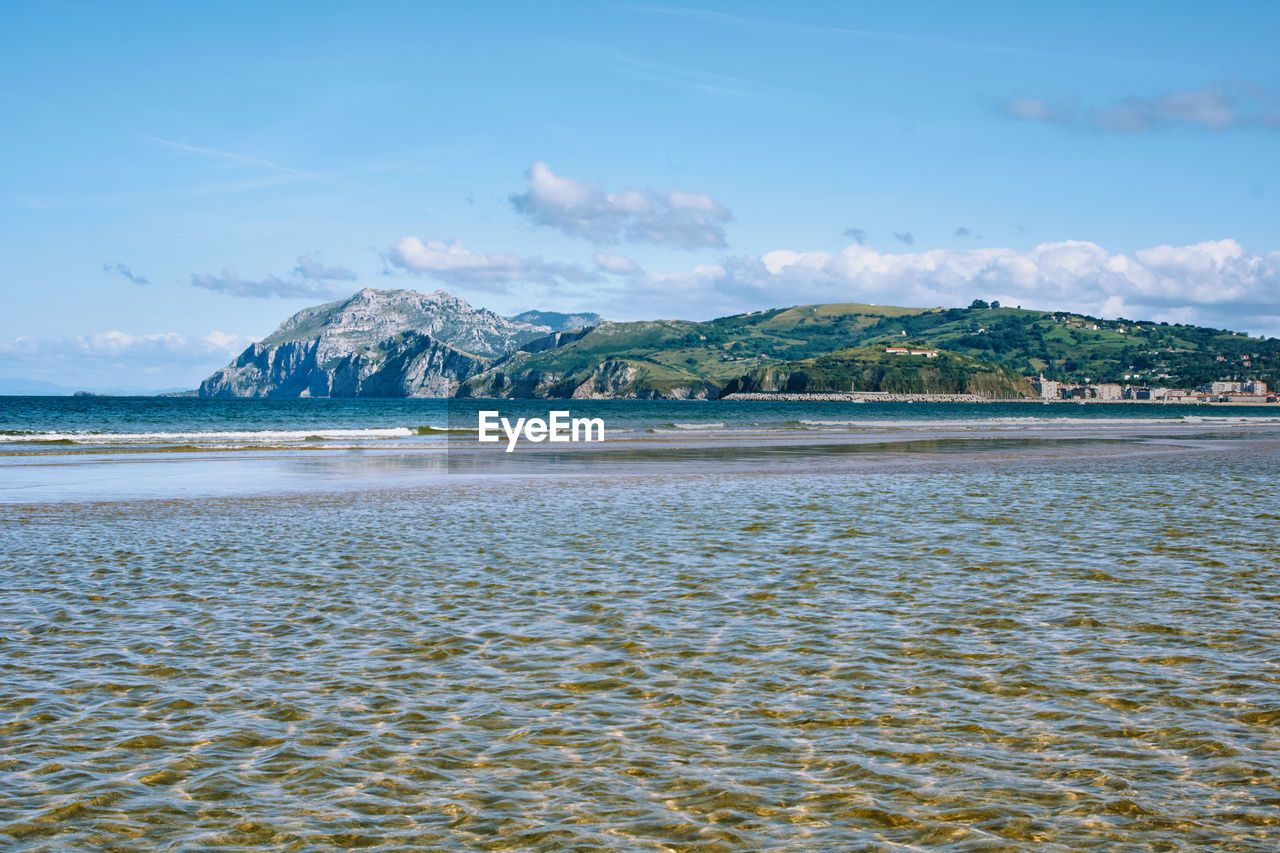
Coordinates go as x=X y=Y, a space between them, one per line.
x=306 y=625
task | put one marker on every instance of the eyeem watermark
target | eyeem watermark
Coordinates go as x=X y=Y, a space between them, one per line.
x=558 y=427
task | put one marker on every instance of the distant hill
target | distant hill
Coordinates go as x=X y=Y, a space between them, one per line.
x=1078 y=348
x=18 y=387
x=556 y=321
x=14 y=386
x=874 y=369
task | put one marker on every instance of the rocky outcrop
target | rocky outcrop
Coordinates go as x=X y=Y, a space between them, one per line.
x=378 y=343
x=552 y=341
x=613 y=378
x=287 y=370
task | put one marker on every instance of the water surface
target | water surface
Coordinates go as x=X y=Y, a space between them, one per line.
x=988 y=642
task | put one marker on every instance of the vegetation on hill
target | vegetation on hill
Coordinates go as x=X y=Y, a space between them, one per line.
x=681 y=357
x=675 y=356
x=369 y=339
x=1079 y=348
x=873 y=369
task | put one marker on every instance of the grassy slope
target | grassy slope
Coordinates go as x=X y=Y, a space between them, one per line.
x=872 y=369
x=675 y=353
x=679 y=353
x=1064 y=347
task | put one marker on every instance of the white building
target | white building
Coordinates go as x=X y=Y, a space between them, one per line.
x=1047 y=387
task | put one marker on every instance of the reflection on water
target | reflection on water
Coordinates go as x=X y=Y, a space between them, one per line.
x=108 y=474
x=1001 y=651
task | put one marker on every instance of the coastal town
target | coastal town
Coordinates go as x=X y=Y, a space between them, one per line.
x=1252 y=391
x=1049 y=390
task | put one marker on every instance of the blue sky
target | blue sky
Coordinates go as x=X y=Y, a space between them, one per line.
x=175 y=179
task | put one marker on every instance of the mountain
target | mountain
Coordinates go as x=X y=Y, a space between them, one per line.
x=18 y=387
x=558 y=322
x=875 y=369
x=402 y=343
x=377 y=343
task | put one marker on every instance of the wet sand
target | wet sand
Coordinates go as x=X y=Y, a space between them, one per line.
x=104 y=473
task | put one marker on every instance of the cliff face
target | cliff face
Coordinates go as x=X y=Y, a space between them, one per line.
x=413 y=365
x=378 y=343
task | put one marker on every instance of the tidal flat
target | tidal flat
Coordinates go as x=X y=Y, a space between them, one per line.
x=985 y=642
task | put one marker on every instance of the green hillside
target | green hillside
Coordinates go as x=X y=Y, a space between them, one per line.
x=1078 y=348
x=666 y=356
x=873 y=369
x=661 y=358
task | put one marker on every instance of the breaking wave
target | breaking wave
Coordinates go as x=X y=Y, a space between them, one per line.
x=213 y=436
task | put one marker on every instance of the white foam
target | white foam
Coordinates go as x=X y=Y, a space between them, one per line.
x=245 y=436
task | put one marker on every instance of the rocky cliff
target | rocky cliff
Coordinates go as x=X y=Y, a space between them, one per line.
x=377 y=343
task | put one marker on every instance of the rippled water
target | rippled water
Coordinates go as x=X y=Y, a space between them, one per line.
x=973 y=651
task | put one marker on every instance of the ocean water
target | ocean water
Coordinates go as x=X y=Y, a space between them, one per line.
x=63 y=424
x=904 y=628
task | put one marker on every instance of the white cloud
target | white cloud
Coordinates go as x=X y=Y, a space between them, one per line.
x=122 y=360
x=123 y=270
x=117 y=344
x=1214 y=283
x=1214 y=108
x=580 y=209
x=291 y=287
x=455 y=264
x=616 y=264
x=314 y=268
x=309 y=279
x=1036 y=109
x=1208 y=108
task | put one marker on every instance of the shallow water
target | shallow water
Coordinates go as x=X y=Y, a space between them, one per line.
x=965 y=650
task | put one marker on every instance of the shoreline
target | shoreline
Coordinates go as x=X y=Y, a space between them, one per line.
x=886 y=397
x=114 y=477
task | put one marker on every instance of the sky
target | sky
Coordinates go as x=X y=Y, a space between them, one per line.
x=178 y=178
